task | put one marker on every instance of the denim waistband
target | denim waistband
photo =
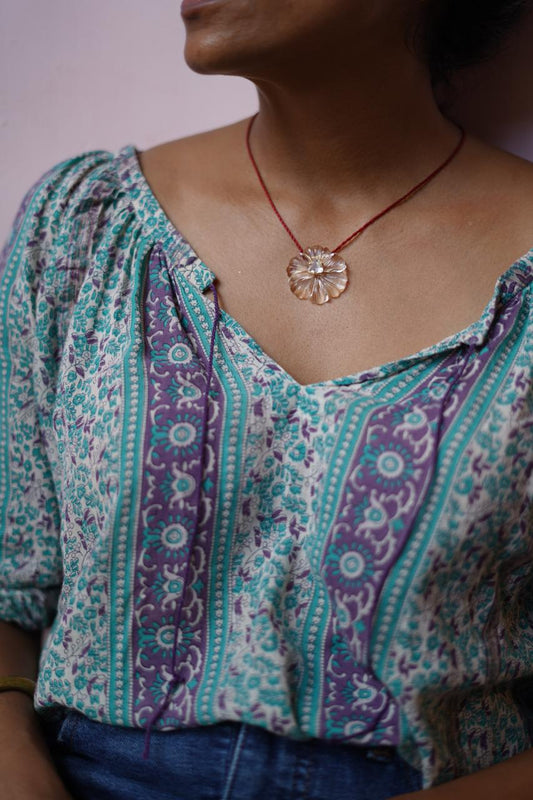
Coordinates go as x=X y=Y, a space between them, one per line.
x=226 y=761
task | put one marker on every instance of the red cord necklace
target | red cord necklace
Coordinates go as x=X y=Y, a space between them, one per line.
x=318 y=273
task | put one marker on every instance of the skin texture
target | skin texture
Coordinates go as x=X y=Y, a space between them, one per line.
x=25 y=765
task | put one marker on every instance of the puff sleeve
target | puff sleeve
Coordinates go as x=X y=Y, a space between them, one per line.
x=31 y=302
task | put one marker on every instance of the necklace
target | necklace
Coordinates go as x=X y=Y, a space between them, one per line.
x=318 y=273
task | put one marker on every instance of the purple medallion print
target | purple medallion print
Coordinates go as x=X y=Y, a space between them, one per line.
x=386 y=481
x=174 y=539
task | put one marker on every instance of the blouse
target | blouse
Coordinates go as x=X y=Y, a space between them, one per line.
x=211 y=540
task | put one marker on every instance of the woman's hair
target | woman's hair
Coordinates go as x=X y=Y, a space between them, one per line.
x=452 y=34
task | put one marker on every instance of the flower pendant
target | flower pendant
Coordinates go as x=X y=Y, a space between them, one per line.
x=317 y=274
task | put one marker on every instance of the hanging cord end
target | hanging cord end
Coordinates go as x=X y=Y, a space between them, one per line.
x=154 y=716
x=146 y=751
x=151 y=722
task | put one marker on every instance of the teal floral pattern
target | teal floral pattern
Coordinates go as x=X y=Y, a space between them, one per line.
x=349 y=560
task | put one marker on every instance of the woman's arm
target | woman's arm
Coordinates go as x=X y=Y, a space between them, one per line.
x=26 y=768
x=509 y=780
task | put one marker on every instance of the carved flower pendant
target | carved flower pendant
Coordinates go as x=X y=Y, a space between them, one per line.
x=317 y=274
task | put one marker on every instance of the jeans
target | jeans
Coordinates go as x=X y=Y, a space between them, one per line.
x=226 y=761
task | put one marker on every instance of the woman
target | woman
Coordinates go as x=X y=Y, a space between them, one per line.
x=266 y=579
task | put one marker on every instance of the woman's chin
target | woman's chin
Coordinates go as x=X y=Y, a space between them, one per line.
x=207 y=60
x=210 y=54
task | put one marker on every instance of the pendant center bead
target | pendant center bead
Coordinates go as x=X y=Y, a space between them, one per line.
x=315 y=268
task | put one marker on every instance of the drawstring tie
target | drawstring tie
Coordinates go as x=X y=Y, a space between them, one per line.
x=176 y=678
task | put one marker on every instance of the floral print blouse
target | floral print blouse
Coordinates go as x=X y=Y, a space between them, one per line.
x=211 y=540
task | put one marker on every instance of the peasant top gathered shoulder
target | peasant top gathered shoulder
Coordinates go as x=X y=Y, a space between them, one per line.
x=210 y=540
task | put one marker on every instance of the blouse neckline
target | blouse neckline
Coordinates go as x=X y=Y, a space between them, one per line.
x=183 y=257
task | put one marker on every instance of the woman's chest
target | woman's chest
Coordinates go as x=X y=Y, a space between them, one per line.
x=134 y=392
x=406 y=290
x=421 y=273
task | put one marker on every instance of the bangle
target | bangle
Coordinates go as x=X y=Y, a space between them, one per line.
x=16 y=684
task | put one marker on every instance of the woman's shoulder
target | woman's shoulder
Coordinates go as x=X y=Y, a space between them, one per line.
x=488 y=199
x=204 y=165
x=60 y=194
x=67 y=225
x=190 y=151
x=504 y=179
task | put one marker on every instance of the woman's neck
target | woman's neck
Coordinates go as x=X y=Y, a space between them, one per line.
x=350 y=138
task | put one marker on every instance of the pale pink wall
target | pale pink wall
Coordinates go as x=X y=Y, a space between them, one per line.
x=101 y=74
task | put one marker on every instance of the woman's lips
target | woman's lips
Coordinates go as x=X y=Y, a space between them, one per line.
x=187 y=6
